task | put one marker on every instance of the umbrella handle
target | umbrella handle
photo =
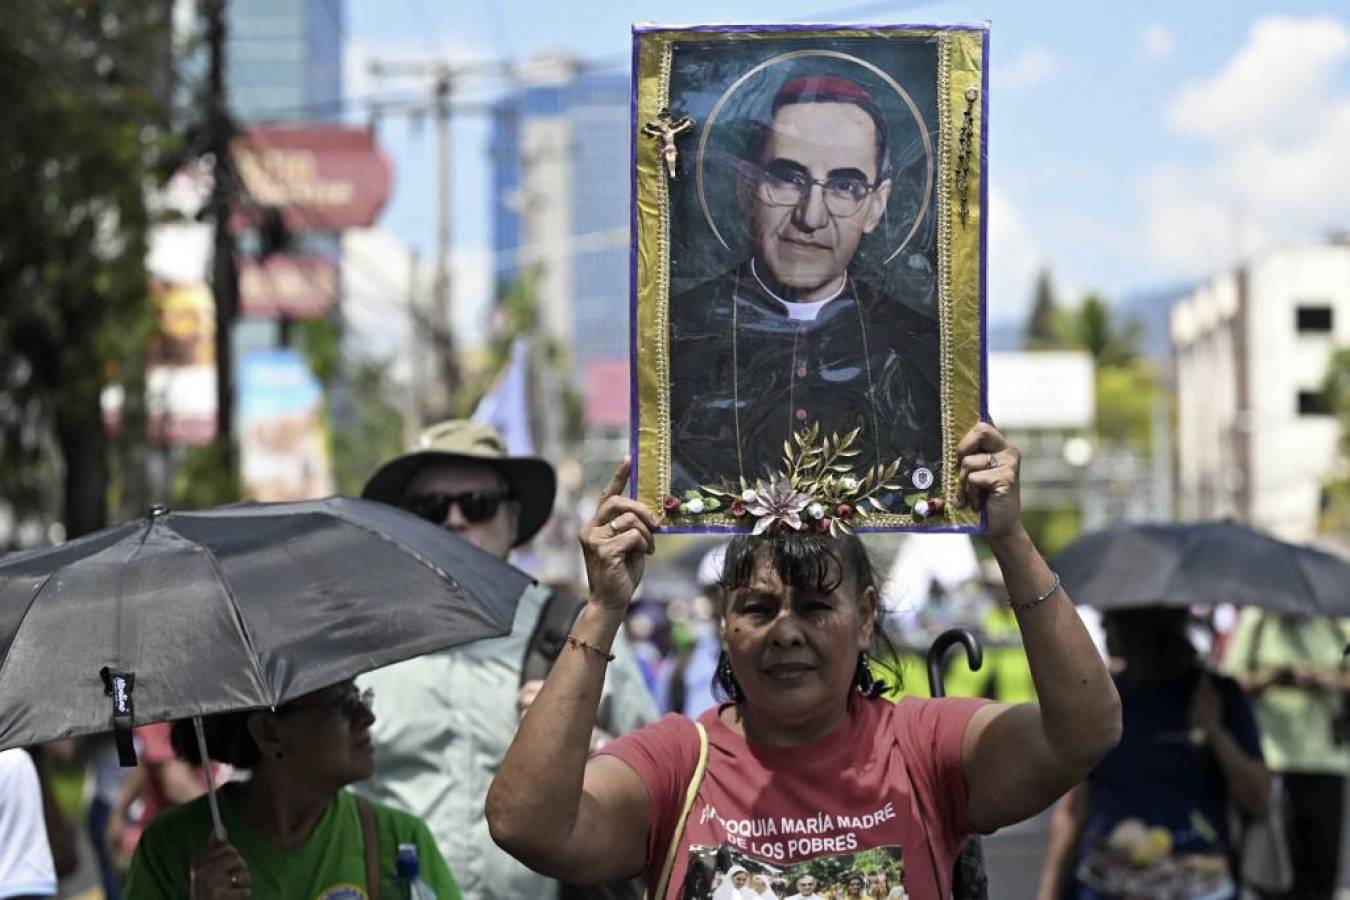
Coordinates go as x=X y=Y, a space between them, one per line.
x=210 y=779
x=938 y=650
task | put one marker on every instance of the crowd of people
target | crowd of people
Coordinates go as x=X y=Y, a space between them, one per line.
x=787 y=763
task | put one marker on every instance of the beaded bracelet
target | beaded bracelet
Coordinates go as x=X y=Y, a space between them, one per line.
x=582 y=645
x=1037 y=600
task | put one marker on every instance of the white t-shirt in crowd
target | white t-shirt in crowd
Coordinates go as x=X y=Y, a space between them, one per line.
x=26 y=867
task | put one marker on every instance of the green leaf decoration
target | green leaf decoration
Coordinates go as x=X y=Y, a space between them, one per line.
x=818 y=468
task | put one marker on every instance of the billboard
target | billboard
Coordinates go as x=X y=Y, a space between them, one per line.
x=321 y=177
x=294 y=286
x=283 y=447
x=181 y=366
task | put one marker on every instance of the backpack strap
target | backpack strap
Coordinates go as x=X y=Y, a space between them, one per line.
x=560 y=612
x=372 y=844
x=1255 y=648
x=690 y=793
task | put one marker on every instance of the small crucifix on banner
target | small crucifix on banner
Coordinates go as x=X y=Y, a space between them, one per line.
x=665 y=129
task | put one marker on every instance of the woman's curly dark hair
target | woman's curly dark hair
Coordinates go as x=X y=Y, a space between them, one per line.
x=808 y=562
x=227 y=740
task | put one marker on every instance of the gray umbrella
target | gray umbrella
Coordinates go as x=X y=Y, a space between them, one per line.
x=248 y=606
x=1203 y=563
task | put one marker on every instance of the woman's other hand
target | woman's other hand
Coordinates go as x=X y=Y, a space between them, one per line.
x=1206 y=706
x=990 y=469
x=526 y=695
x=616 y=541
x=220 y=873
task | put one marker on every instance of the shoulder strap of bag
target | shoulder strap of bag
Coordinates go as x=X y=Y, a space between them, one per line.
x=690 y=793
x=372 y=844
x=1254 y=649
x=550 y=633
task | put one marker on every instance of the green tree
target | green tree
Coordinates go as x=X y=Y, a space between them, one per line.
x=1126 y=395
x=372 y=432
x=84 y=127
x=1336 y=490
x=1336 y=391
x=369 y=429
x=1094 y=327
x=517 y=316
x=1044 y=327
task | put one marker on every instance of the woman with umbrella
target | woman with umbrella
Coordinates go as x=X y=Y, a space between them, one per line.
x=804 y=762
x=1152 y=818
x=293 y=830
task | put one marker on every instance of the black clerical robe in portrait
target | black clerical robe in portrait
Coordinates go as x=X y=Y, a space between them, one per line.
x=744 y=377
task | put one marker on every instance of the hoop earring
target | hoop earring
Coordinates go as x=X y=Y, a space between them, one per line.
x=863 y=681
x=725 y=679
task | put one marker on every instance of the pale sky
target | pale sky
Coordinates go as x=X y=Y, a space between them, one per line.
x=1133 y=146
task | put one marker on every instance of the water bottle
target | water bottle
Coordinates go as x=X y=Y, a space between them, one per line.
x=409 y=870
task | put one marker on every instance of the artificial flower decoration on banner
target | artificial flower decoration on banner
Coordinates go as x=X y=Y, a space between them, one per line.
x=816 y=490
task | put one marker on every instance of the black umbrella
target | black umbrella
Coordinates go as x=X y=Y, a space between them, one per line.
x=248 y=606
x=1203 y=563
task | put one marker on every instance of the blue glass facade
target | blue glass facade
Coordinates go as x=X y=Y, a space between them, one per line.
x=595 y=107
x=285 y=60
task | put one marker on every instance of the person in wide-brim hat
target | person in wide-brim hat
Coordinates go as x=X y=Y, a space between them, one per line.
x=532 y=481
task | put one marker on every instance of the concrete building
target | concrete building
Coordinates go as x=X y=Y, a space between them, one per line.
x=560 y=187
x=1251 y=347
x=560 y=162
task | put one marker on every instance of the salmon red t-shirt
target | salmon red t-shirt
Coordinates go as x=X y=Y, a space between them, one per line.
x=883 y=792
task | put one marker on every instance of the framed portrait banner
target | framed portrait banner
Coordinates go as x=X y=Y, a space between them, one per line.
x=808 y=274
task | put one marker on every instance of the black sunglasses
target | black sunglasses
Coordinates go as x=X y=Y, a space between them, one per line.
x=352 y=703
x=475 y=506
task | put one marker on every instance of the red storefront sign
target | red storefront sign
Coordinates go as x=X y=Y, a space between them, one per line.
x=322 y=178
x=297 y=287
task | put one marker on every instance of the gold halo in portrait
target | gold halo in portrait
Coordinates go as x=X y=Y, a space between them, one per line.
x=802 y=54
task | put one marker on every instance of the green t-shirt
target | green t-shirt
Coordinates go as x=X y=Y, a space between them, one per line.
x=329 y=866
x=1295 y=723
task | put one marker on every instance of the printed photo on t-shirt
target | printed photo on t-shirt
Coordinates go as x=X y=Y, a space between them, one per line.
x=724 y=873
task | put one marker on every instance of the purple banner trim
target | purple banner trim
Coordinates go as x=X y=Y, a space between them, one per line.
x=807 y=26
x=984 y=226
x=984 y=242
x=632 y=277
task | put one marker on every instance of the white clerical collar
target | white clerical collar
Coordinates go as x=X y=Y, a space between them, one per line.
x=798 y=310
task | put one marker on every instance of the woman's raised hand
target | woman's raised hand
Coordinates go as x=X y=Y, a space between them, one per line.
x=616 y=541
x=989 y=479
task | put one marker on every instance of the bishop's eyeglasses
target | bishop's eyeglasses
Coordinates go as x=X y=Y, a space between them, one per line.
x=782 y=184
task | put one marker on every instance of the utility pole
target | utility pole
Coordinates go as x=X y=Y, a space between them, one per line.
x=439 y=395
x=414 y=409
x=447 y=365
x=224 y=274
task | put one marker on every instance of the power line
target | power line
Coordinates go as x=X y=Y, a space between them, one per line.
x=433 y=42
